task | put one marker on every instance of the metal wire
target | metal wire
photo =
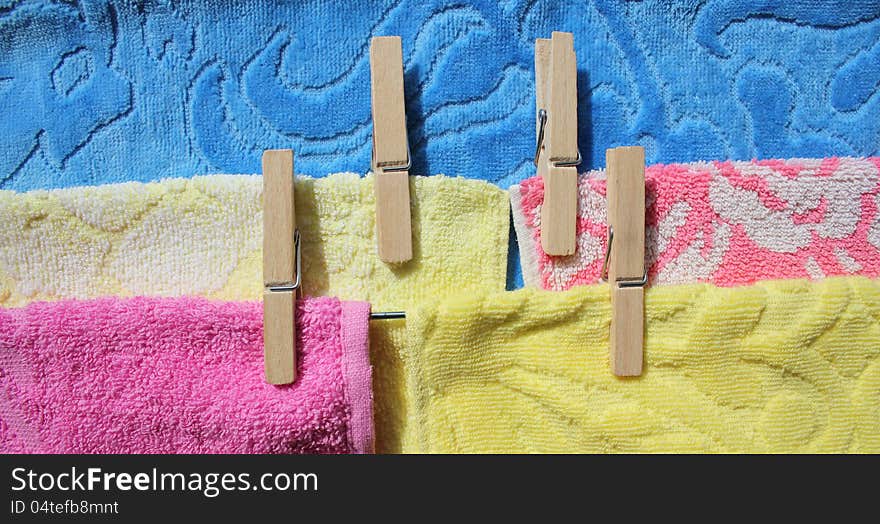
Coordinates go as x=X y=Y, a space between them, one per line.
x=298 y=265
x=620 y=281
x=542 y=123
x=387 y=315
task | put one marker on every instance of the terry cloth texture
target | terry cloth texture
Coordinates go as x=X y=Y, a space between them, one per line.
x=180 y=375
x=728 y=223
x=203 y=236
x=782 y=366
x=689 y=80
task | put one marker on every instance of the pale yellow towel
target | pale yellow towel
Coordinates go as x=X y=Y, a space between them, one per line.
x=203 y=236
x=784 y=366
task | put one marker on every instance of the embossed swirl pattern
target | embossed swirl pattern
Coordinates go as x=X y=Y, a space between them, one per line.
x=784 y=366
x=102 y=91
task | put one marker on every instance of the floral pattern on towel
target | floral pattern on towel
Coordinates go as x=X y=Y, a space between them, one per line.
x=728 y=223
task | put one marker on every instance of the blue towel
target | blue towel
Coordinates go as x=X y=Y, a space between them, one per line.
x=105 y=91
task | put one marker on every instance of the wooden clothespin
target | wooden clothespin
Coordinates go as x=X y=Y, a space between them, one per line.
x=281 y=267
x=624 y=265
x=557 y=155
x=391 y=158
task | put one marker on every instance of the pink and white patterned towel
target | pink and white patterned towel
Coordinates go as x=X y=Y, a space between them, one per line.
x=727 y=223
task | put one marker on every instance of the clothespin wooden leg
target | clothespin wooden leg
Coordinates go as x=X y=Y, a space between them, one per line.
x=391 y=159
x=557 y=154
x=393 y=223
x=559 y=210
x=626 y=267
x=280 y=274
x=279 y=336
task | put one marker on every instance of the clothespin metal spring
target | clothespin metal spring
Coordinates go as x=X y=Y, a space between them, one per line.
x=542 y=119
x=391 y=168
x=621 y=282
x=295 y=286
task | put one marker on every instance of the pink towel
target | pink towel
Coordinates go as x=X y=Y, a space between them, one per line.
x=180 y=375
x=726 y=223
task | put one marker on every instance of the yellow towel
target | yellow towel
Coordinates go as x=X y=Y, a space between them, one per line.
x=783 y=366
x=203 y=236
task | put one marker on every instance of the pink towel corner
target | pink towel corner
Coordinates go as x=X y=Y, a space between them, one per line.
x=726 y=223
x=358 y=374
x=180 y=375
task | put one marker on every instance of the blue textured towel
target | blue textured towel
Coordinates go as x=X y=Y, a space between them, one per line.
x=97 y=91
